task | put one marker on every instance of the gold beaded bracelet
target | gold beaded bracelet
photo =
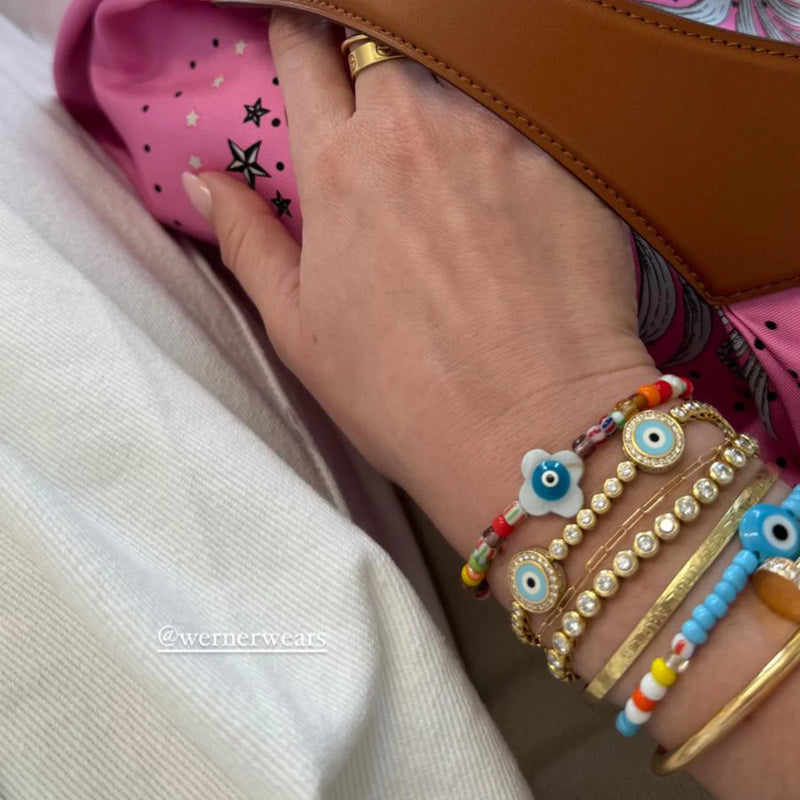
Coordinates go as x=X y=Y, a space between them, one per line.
x=698 y=468
x=653 y=442
x=646 y=545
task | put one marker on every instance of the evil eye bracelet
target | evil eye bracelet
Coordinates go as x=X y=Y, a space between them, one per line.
x=552 y=480
x=653 y=442
x=770 y=539
x=646 y=545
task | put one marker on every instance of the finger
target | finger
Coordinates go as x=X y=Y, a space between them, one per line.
x=387 y=83
x=313 y=75
x=256 y=248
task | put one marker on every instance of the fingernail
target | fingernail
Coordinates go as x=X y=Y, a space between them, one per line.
x=198 y=193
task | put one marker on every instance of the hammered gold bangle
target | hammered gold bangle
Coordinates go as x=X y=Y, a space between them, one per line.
x=733 y=712
x=678 y=588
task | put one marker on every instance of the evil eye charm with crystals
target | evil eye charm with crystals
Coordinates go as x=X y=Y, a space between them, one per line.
x=536 y=582
x=772 y=531
x=552 y=483
x=653 y=440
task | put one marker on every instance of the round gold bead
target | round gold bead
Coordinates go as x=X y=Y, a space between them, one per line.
x=586 y=519
x=667 y=526
x=646 y=544
x=734 y=456
x=705 y=491
x=606 y=583
x=686 y=508
x=587 y=604
x=626 y=471
x=600 y=504
x=625 y=564
x=613 y=488
x=558 y=549
x=573 y=624
x=572 y=535
x=562 y=643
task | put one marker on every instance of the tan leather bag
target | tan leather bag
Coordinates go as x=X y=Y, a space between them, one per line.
x=690 y=133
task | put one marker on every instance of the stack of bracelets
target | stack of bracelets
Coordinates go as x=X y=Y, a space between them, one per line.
x=653 y=441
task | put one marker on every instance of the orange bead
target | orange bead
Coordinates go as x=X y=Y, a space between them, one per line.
x=641 y=702
x=651 y=394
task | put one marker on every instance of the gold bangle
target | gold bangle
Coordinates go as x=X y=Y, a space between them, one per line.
x=733 y=712
x=678 y=588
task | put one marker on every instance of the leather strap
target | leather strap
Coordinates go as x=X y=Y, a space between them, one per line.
x=690 y=133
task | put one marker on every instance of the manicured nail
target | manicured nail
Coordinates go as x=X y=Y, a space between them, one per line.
x=198 y=193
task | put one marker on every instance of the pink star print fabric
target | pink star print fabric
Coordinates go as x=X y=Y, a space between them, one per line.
x=167 y=86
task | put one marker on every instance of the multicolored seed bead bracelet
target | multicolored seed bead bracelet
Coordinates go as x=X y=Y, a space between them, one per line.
x=769 y=535
x=552 y=481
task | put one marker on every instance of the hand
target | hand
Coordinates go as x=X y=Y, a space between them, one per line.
x=458 y=297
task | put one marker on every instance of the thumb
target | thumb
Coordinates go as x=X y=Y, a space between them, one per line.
x=256 y=247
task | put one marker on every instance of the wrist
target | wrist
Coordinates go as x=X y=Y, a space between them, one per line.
x=463 y=493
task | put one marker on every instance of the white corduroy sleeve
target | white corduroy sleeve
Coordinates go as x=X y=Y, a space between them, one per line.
x=140 y=509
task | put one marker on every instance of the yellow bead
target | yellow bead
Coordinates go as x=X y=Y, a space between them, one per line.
x=467 y=579
x=662 y=673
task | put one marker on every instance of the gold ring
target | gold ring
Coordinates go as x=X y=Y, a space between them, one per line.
x=365 y=52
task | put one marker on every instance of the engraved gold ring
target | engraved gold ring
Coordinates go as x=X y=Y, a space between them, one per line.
x=363 y=51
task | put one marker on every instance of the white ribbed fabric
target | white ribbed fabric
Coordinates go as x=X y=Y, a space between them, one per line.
x=137 y=491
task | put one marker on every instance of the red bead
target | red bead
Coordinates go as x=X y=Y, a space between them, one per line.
x=641 y=702
x=483 y=591
x=501 y=527
x=689 y=393
x=664 y=390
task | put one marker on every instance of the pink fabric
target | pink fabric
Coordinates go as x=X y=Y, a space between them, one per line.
x=172 y=85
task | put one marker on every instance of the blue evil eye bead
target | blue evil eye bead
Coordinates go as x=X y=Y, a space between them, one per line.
x=653 y=440
x=552 y=483
x=769 y=530
x=551 y=480
x=536 y=582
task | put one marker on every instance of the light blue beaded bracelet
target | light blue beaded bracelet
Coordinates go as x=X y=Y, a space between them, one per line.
x=770 y=538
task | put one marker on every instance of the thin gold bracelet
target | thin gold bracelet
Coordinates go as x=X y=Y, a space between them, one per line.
x=678 y=588
x=733 y=712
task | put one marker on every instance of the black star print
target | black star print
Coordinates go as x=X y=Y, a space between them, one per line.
x=281 y=204
x=255 y=112
x=246 y=162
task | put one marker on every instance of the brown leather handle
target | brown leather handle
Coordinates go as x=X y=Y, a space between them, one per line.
x=690 y=133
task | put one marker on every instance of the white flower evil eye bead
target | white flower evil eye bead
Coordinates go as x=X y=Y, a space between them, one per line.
x=653 y=440
x=552 y=483
x=536 y=582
